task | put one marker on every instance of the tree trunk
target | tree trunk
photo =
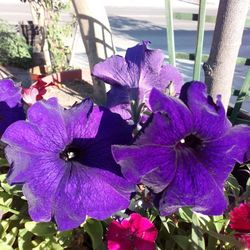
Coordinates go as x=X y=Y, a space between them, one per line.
x=96 y=36
x=219 y=69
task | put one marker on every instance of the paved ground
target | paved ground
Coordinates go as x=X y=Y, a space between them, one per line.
x=134 y=20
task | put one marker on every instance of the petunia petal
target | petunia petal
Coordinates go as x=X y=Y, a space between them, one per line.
x=169 y=74
x=156 y=171
x=44 y=113
x=9 y=93
x=210 y=119
x=118 y=101
x=193 y=186
x=174 y=117
x=113 y=70
x=41 y=186
x=76 y=120
x=27 y=138
x=86 y=191
x=9 y=115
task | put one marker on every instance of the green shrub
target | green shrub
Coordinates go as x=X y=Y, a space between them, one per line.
x=13 y=48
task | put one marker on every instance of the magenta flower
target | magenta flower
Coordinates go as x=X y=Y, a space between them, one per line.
x=136 y=232
x=11 y=109
x=240 y=218
x=240 y=222
x=133 y=77
x=187 y=152
x=63 y=158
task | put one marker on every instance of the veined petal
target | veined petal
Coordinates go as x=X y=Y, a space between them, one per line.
x=175 y=117
x=26 y=137
x=76 y=119
x=210 y=119
x=169 y=75
x=118 y=101
x=9 y=93
x=49 y=121
x=117 y=95
x=151 y=164
x=41 y=186
x=88 y=191
x=114 y=70
x=193 y=186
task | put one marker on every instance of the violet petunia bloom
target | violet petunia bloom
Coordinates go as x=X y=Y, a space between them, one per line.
x=187 y=151
x=11 y=109
x=133 y=77
x=63 y=158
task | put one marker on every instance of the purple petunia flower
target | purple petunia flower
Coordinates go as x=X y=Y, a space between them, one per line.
x=187 y=151
x=133 y=77
x=64 y=159
x=11 y=109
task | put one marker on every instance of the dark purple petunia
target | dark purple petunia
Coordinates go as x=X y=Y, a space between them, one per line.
x=187 y=152
x=11 y=109
x=64 y=159
x=133 y=77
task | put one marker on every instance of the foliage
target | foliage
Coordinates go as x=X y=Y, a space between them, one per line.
x=180 y=231
x=56 y=31
x=13 y=48
x=56 y=34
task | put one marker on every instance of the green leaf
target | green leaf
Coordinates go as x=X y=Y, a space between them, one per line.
x=186 y=214
x=246 y=194
x=48 y=244
x=40 y=229
x=182 y=241
x=64 y=238
x=225 y=238
x=11 y=236
x=24 y=239
x=3 y=162
x=233 y=185
x=95 y=231
x=5 y=225
x=7 y=209
x=198 y=241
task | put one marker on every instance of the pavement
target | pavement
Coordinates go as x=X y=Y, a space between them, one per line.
x=134 y=20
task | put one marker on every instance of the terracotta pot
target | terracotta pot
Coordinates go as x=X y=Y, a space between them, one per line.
x=64 y=76
x=38 y=72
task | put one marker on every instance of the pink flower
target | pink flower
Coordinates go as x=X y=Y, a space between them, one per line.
x=35 y=92
x=136 y=232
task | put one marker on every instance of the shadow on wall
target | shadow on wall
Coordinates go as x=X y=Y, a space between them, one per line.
x=97 y=38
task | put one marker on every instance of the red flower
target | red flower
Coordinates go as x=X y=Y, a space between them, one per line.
x=240 y=218
x=35 y=92
x=136 y=232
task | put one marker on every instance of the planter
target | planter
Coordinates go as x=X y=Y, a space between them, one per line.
x=38 y=72
x=69 y=86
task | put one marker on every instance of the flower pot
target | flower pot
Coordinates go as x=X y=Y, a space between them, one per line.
x=69 y=86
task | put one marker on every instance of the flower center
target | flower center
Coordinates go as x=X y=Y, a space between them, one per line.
x=70 y=153
x=191 y=141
